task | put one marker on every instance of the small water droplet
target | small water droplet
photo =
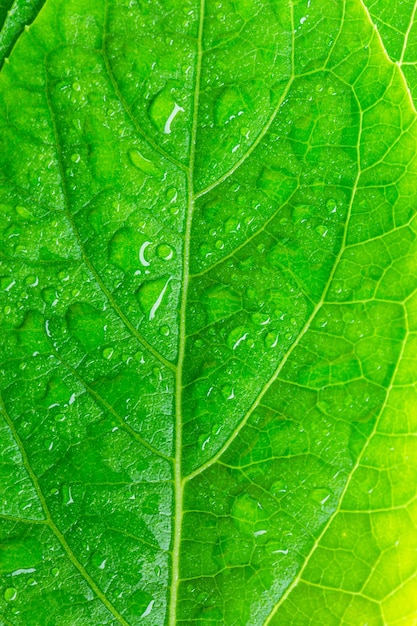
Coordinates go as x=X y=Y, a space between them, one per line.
x=322 y=230
x=164 y=330
x=108 y=353
x=67 y=495
x=23 y=212
x=10 y=594
x=320 y=496
x=139 y=357
x=331 y=205
x=219 y=244
x=171 y=194
x=31 y=281
x=75 y=158
x=76 y=86
x=55 y=572
x=165 y=252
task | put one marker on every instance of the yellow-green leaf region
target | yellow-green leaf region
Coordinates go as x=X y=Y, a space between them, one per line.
x=208 y=282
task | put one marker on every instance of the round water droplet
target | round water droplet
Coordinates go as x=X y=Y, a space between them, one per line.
x=108 y=353
x=55 y=572
x=205 y=251
x=322 y=230
x=165 y=252
x=244 y=131
x=76 y=86
x=31 y=281
x=164 y=330
x=7 y=310
x=59 y=417
x=75 y=158
x=10 y=594
x=331 y=205
x=219 y=244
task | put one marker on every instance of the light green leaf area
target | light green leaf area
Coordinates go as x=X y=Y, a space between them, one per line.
x=208 y=313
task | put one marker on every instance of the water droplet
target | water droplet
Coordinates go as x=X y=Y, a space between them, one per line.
x=236 y=337
x=228 y=106
x=7 y=310
x=148 y=609
x=67 y=495
x=164 y=330
x=55 y=572
x=205 y=251
x=171 y=194
x=271 y=340
x=203 y=441
x=75 y=158
x=142 y=163
x=108 y=353
x=219 y=244
x=176 y=109
x=261 y=319
x=139 y=357
x=228 y=392
x=151 y=294
x=10 y=594
x=331 y=205
x=163 y=109
x=23 y=212
x=232 y=225
x=320 y=495
x=76 y=86
x=279 y=488
x=322 y=230
x=165 y=252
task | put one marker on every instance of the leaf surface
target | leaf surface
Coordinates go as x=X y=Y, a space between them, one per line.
x=208 y=276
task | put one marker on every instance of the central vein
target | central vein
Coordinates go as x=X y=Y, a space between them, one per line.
x=178 y=481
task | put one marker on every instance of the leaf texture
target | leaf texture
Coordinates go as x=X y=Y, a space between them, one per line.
x=208 y=313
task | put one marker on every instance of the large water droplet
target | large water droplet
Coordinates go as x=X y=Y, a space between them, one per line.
x=151 y=294
x=164 y=108
x=228 y=106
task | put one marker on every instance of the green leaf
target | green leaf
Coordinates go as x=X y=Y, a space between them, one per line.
x=208 y=313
